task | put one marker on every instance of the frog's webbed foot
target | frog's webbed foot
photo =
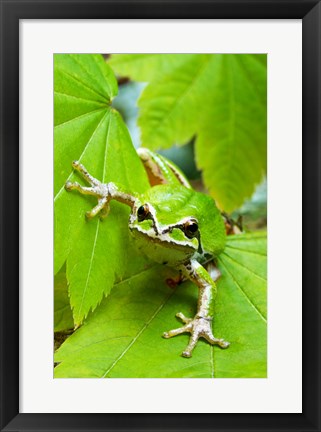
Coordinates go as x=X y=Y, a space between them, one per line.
x=104 y=192
x=97 y=189
x=198 y=327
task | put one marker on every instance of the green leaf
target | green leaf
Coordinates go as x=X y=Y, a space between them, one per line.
x=241 y=306
x=63 y=315
x=221 y=98
x=145 y=67
x=83 y=89
x=123 y=337
x=82 y=83
x=96 y=252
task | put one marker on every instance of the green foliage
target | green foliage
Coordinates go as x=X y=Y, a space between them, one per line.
x=63 y=315
x=221 y=99
x=119 y=297
x=123 y=338
x=241 y=306
x=96 y=252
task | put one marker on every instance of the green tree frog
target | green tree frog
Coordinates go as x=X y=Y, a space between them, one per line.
x=173 y=225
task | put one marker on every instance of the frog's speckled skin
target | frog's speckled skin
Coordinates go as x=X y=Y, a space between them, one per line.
x=170 y=206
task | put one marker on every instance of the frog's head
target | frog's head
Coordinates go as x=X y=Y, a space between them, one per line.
x=165 y=233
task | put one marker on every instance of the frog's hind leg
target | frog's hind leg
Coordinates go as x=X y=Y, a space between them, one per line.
x=201 y=324
x=161 y=170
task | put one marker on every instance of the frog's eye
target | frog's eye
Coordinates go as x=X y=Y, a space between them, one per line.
x=142 y=212
x=191 y=228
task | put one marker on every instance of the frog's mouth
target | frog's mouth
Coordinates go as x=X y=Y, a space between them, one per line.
x=164 y=237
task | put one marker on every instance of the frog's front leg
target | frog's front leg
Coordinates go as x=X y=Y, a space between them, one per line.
x=104 y=192
x=201 y=324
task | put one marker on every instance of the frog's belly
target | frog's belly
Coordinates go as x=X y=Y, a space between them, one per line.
x=162 y=252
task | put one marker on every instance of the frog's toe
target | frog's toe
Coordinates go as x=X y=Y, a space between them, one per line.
x=104 y=211
x=184 y=318
x=175 y=332
x=76 y=164
x=73 y=186
x=198 y=327
x=186 y=354
x=208 y=335
x=191 y=345
x=69 y=186
x=223 y=343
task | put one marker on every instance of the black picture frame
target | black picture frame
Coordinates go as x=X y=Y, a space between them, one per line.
x=11 y=12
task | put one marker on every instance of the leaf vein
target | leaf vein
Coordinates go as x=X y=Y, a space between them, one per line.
x=138 y=334
x=79 y=117
x=85 y=70
x=188 y=89
x=243 y=292
x=245 y=250
x=90 y=267
x=82 y=154
x=79 y=98
x=243 y=266
x=81 y=82
x=212 y=360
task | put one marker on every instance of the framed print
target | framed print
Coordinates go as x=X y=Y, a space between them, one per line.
x=236 y=88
